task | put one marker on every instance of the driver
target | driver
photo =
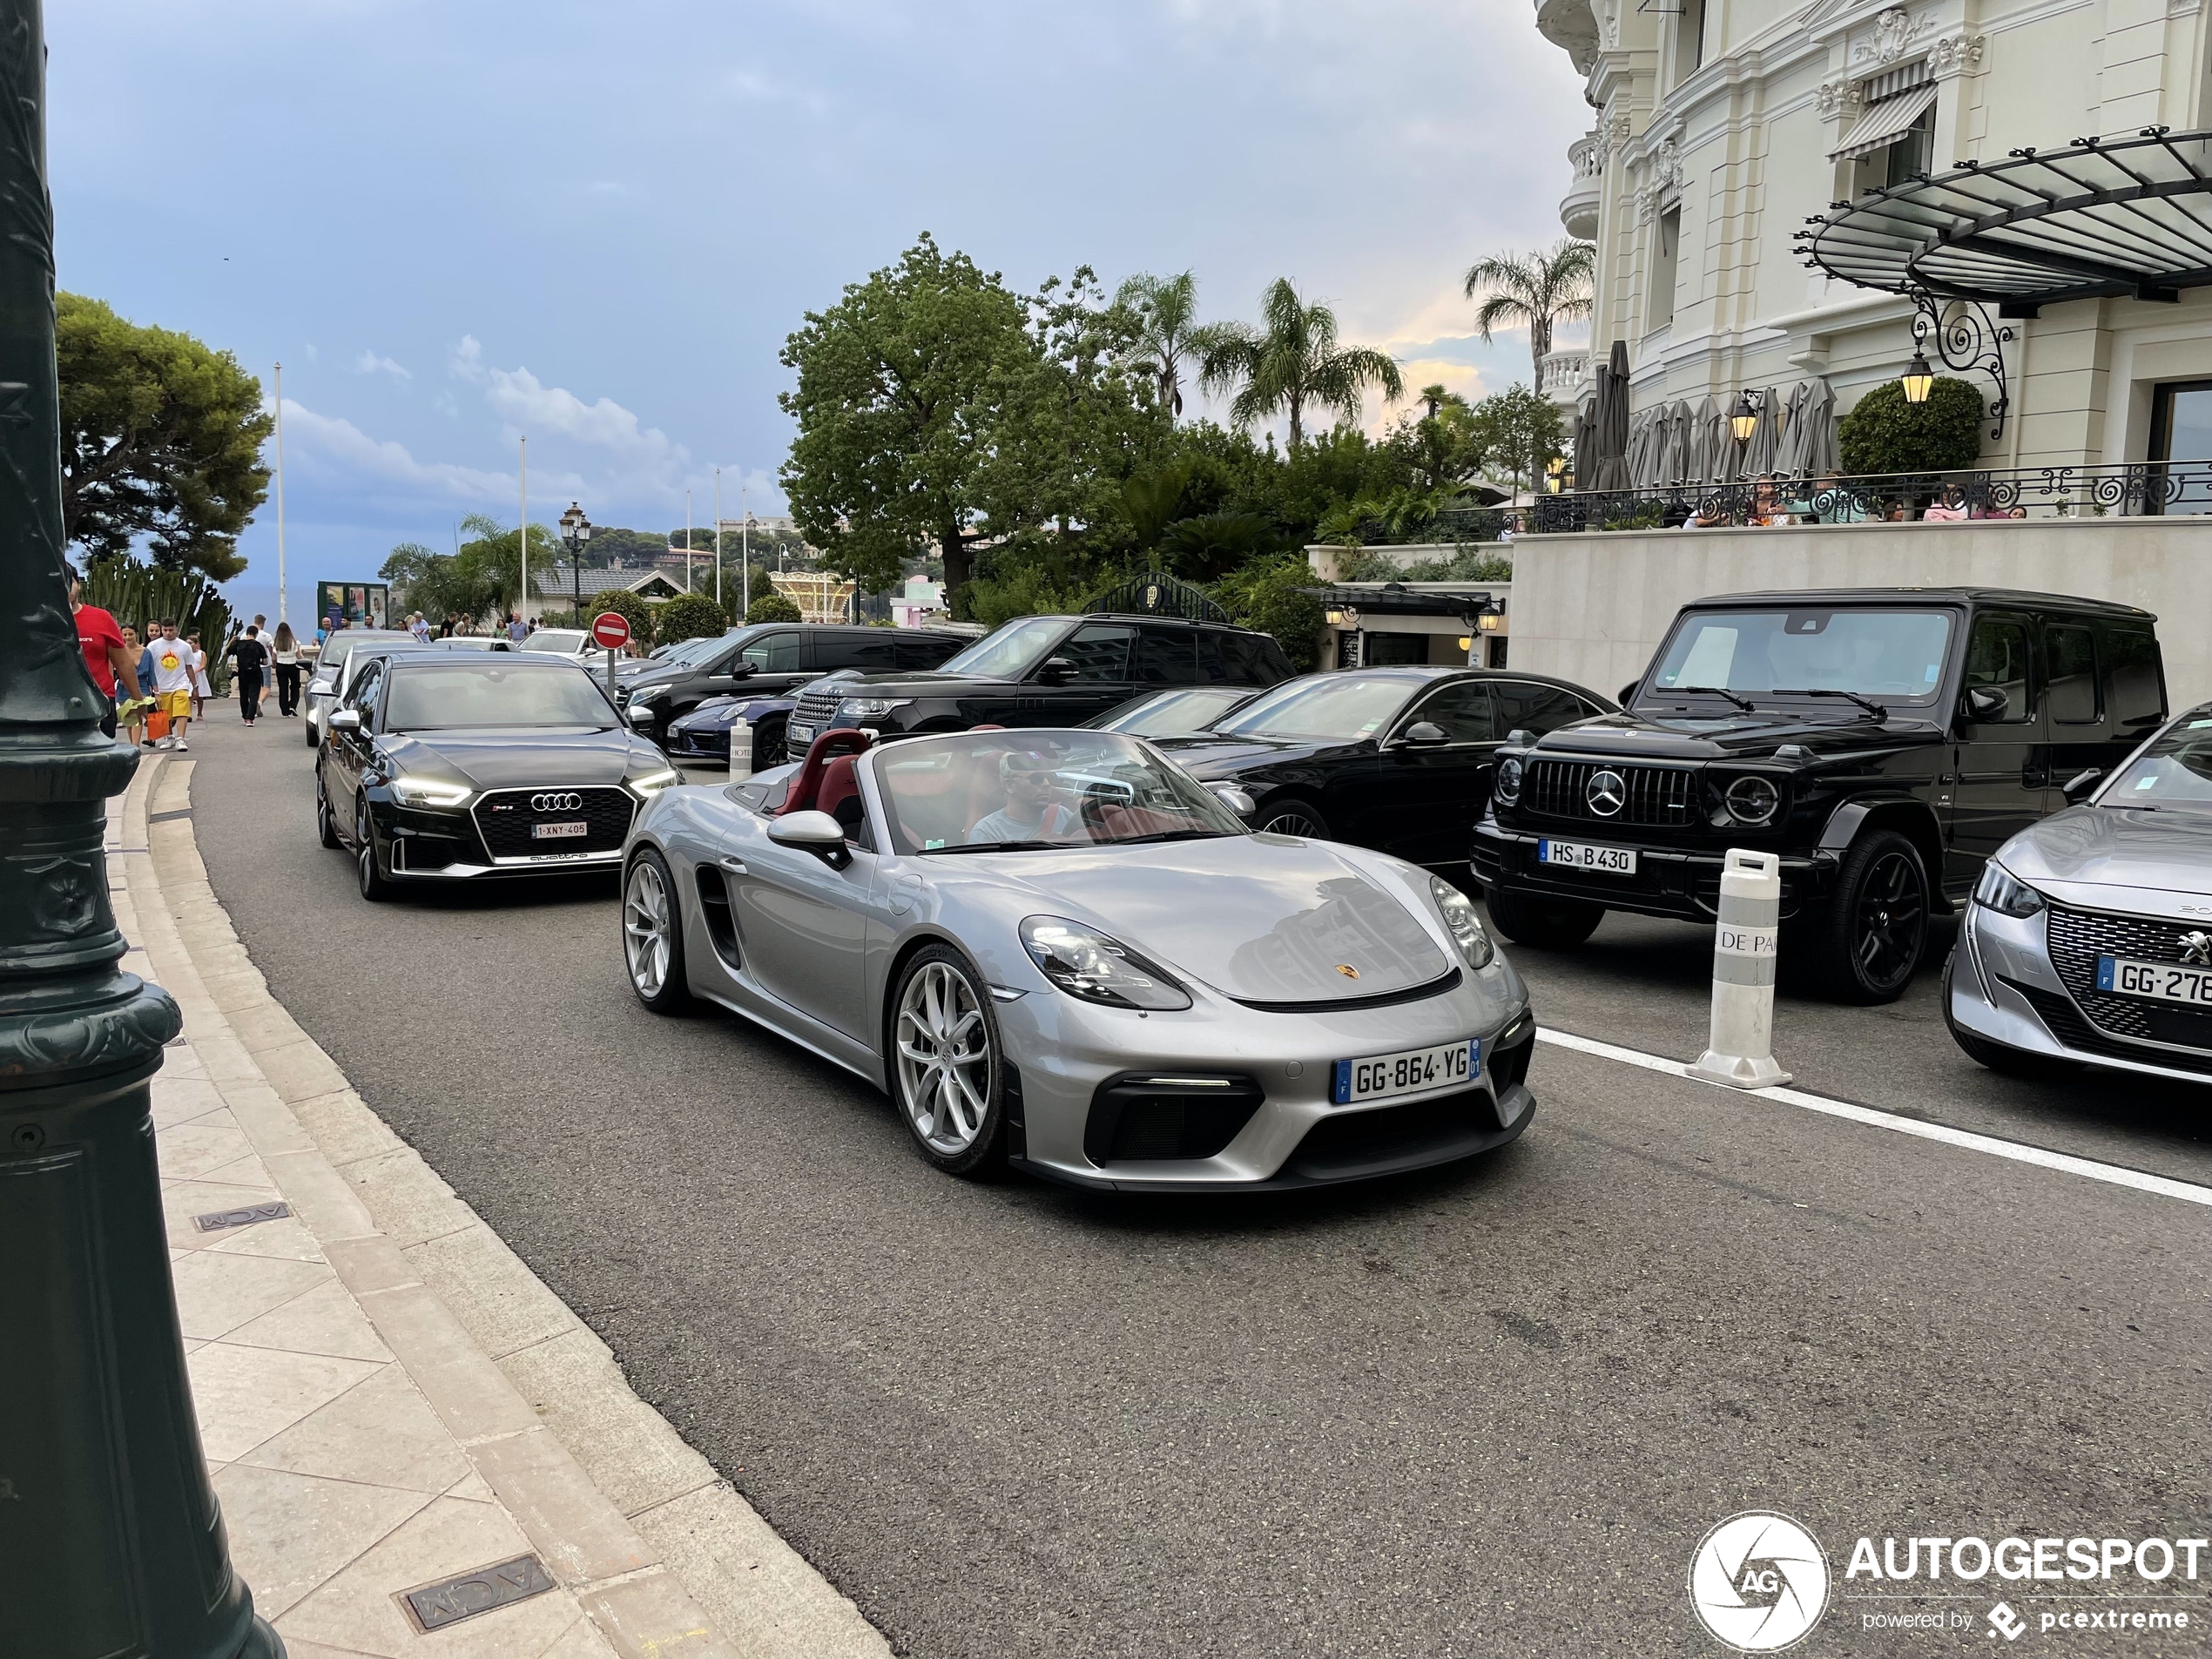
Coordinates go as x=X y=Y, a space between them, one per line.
x=1030 y=813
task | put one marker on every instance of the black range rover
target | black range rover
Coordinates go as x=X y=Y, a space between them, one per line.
x=768 y=659
x=1042 y=671
x=1883 y=741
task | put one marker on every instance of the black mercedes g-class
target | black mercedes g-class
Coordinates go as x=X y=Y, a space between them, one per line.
x=1883 y=741
x=1043 y=671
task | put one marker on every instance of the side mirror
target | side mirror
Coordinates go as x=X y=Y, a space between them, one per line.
x=641 y=714
x=1057 y=671
x=1424 y=734
x=1234 y=797
x=2077 y=788
x=1628 y=693
x=816 y=833
x=1987 y=702
x=346 y=720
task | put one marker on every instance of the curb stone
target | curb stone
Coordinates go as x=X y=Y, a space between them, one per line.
x=666 y=1557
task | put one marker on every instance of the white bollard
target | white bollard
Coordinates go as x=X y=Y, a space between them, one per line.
x=1740 y=1051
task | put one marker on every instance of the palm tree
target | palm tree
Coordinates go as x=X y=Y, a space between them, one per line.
x=1166 y=312
x=1291 y=361
x=1537 y=289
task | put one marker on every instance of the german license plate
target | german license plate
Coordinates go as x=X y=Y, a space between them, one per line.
x=558 y=831
x=2161 y=982
x=1415 y=1071
x=1581 y=855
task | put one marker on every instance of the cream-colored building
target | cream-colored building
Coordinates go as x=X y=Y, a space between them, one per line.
x=1721 y=129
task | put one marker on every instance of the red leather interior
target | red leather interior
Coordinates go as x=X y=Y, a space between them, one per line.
x=840 y=795
x=805 y=793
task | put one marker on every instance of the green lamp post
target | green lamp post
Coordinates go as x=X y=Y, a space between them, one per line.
x=110 y=1543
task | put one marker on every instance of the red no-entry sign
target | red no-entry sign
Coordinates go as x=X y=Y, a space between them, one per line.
x=609 y=630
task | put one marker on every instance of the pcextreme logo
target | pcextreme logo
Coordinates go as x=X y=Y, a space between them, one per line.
x=1758 y=1583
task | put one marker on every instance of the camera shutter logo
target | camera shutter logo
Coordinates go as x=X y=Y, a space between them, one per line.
x=557 y=801
x=1758 y=1583
x=1608 y=793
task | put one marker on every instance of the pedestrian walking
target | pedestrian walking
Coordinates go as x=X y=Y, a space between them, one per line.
x=145 y=681
x=252 y=658
x=133 y=708
x=446 y=627
x=202 y=692
x=175 y=665
x=419 y=628
x=518 y=631
x=286 y=650
x=108 y=657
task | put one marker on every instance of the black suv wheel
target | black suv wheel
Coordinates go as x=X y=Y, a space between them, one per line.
x=1546 y=924
x=1867 y=944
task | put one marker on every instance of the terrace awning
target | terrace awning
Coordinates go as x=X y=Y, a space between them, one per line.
x=2130 y=217
x=1885 y=123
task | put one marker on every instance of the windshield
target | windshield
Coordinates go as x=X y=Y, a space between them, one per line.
x=1009 y=653
x=979 y=790
x=1174 y=714
x=2173 y=774
x=1875 y=653
x=493 y=694
x=691 y=650
x=1336 y=708
x=565 y=640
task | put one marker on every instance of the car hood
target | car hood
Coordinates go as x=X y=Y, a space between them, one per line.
x=1260 y=918
x=1212 y=756
x=718 y=712
x=913 y=683
x=508 y=760
x=1735 y=736
x=2110 y=858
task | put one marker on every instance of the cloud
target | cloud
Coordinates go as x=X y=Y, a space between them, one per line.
x=529 y=407
x=370 y=362
x=336 y=450
x=466 y=362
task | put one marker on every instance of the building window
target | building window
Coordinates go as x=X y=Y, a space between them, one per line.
x=1902 y=159
x=1660 y=294
x=1690 y=39
x=2181 y=430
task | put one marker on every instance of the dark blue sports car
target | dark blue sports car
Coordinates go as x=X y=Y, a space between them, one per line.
x=753 y=725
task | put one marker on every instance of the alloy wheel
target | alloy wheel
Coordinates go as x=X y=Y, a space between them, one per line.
x=1295 y=820
x=1892 y=919
x=944 y=1058
x=646 y=923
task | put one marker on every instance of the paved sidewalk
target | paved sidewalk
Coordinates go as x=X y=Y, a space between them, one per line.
x=365 y=1434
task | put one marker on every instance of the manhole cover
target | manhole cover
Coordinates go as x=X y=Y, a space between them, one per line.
x=433 y=1607
x=246 y=1217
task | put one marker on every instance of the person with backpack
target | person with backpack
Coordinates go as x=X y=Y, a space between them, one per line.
x=252 y=658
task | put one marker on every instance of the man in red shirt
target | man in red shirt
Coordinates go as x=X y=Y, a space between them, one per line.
x=106 y=657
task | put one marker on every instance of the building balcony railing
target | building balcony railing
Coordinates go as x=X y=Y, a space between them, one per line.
x=2132 y=490
x=1578 y=209
x=1566 y=376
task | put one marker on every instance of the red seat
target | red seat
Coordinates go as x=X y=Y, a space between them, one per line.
x=840 y=795
x=805 y=792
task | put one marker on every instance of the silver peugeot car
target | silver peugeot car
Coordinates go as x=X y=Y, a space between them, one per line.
x=1057 y=950
x=2089 y=938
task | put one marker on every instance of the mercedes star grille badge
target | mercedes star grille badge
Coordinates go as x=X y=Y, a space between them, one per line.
x=1608 y=793
x=558 y=801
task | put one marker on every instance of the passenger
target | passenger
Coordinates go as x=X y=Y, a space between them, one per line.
x=1030 y=813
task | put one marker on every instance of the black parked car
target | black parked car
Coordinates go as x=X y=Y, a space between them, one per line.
x=1395 y=758
x=445 y=766
x=1044 y=671
x=771 y=659
x=1883 y=741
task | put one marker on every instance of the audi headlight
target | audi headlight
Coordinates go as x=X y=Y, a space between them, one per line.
x=1999 y=890
x=868 y=708
x=1475 y=948
x=1753 y=800
x=1507 y=788
x=653 y=782
x=1085 y=963
x=430 y=792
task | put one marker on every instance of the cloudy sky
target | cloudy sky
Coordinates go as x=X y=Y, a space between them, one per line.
x=458 y=221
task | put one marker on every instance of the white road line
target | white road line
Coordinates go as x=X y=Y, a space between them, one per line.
x=2089 y=1169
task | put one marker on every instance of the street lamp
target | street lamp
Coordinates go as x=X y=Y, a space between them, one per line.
x=110 y=1541
x=1918 y=380
x=575 y=530
x=1745 y=421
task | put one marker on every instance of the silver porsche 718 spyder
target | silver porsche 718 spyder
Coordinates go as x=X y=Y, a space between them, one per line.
x=1057 y=950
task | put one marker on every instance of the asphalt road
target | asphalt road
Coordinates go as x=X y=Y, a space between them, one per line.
x=1488 y=1411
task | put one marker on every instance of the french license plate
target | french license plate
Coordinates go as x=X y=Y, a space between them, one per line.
x=1581 y=855
x=558 y=831
x=1415 y=1071
x=797 y=736
x=2161 y=982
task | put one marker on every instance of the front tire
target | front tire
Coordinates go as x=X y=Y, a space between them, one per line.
x=1867 y=945
x=1292 y=815
x=326 y=826
x=1543 y=924
x=652 y=934
x=768 y=746
x=946 y=1066
x=375 y=885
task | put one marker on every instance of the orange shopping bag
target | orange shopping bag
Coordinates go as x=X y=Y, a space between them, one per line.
x=157 y=723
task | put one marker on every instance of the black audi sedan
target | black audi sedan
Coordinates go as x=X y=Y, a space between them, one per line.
x=1399 y=759
x=449 y=768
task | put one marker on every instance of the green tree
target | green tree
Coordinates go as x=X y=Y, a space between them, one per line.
x=1517 y=432
x=1266 y=593
x=1537 y=290
x=1208 y=547
x=1290 y=360
x=1166 y=334
x=771 y=607
x=1884 y=433
x=1441 y=448
x=896 y=407
x=628 y=606
x=161 y=441
x=482 y=578
x=688 y=616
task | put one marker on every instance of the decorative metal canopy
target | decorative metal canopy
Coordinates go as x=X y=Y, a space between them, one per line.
x=2128 y=217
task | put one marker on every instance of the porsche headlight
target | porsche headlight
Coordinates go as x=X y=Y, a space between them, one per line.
x=868 y=708
x=1085 y=963
x=1475 y=948
x=653 y=782
x=1507 y=788
x=1999 y=890
x=430 y=792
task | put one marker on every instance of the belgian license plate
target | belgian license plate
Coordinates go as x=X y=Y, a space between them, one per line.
x=1415 y=1071
x=1581 y=855
x=2161 y=982
x=558 y=831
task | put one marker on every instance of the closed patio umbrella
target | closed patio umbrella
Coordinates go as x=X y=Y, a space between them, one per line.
x=1586 y=449
x=1704 y=454
x=1682 y=425
x=1613 y=418
x=1820 y=430
x=1764 y=454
